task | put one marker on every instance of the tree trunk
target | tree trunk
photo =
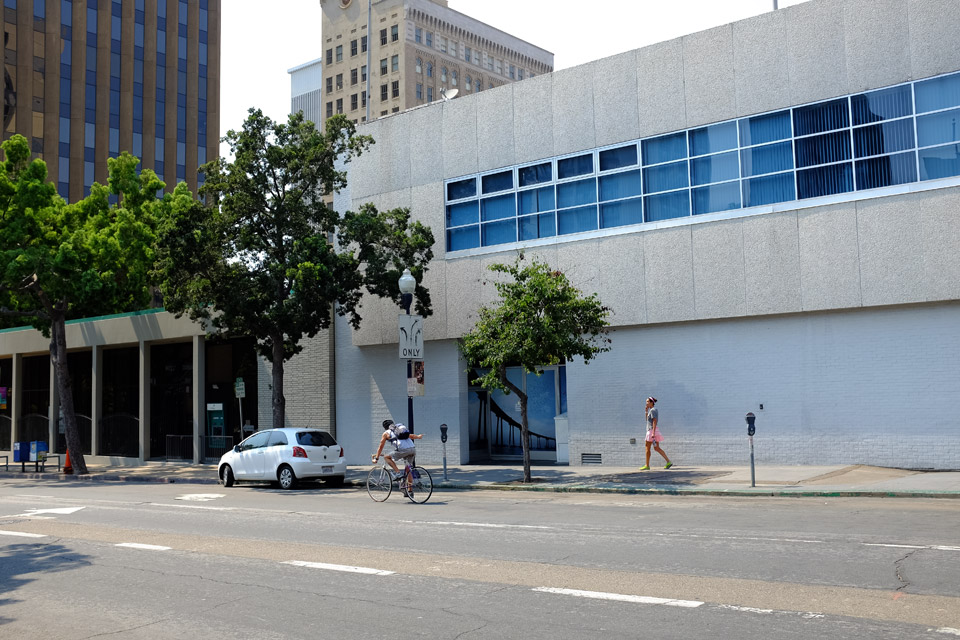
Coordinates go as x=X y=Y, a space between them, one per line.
x=58 y=354
x=279 y=402
x=524 y=426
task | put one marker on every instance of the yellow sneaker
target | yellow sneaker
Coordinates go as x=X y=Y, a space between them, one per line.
x=645 y=467
x=668 y=465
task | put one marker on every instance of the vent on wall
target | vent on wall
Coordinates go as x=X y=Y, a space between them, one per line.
x=590 y=458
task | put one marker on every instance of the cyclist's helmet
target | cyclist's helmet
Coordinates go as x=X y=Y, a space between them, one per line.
x=387 y=424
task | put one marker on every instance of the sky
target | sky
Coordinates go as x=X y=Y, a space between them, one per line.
x=258 y=46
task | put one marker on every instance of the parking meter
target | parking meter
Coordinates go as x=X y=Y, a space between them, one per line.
x=751 y=428
x=443 y=439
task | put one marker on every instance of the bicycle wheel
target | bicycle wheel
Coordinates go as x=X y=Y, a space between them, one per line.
x=379 y=484
x=422 y=486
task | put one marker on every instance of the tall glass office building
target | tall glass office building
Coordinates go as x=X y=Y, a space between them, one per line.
x=85 y=80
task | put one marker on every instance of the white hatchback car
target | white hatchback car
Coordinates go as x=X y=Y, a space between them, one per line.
x=284 y=456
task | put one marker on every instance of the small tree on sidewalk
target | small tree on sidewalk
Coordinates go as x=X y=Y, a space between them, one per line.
x=540 y=320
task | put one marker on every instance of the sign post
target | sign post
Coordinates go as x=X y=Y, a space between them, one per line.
x=410 y=330
x=240 y=390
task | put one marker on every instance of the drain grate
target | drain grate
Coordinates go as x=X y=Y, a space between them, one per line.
x=591 y=458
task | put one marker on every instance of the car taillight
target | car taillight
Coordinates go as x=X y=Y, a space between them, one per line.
x=299 y=452
x=341 y=452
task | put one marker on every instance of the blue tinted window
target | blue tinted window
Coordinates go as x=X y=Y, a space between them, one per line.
x=666 y=205
x=768 y=158
x=885 y=104
x=66 y=12
x=618 y=214
x=497 y=181
x=617 y=158
x=466 y=238
x=718 y=137
x=886 y=137
x=535 y=175
x=571 y=194
x=577 y=166
x=824 y=181
x=940 y=162
x=539 y=226
x=620 y=185
x=576 y=220
x=536 y=200
x=499 y=207
x=664 y=148
x=665 y=177
x=718 y=197
x=717 y=168
x=766 y=128
x=768 y=190
x=463 y=213
x=825 y=116
x=830 y=147
x=887 y=170
x=462 y=189
x=938 y=128
x=938 y=93
x=499 y=232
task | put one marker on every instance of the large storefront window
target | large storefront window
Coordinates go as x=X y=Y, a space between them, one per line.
x=34 y=421
x=119 y=428
x=6 y=403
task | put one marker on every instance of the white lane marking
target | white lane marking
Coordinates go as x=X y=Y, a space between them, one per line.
x=753 y=539
x=488 y=525
x=191 y=506
x=30 y=495
x=200 y=497
x=339 y=567
x=932 y=547
x=599 y=595
x=63 y=511
x=943 y=548
x=147 y=547
x=22 y=534
x=808 y=615
x=947 y=630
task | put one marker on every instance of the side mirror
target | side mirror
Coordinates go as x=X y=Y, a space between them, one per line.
x=236 y=448
x=751 y=427
x=443 y=433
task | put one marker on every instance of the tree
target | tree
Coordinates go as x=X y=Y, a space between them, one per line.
x=60 y=261
x=268 y=258
x=541 y=319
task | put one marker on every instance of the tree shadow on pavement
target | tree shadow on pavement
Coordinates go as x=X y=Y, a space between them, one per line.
x=20 y=563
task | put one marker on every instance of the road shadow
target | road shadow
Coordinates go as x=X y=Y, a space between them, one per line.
x=20 y=562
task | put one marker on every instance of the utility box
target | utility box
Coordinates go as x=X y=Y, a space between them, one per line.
x=38 y=450
x=216 y=422
x=21 y=451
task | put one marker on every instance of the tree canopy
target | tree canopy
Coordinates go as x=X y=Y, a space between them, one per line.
x=61 y=261
x=268 y=257
x=541 y=319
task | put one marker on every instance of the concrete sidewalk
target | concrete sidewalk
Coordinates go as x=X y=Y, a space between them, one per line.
x=823 y=481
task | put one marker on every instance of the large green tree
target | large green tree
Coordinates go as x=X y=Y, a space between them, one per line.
x=61 y=261
x=269 y=258
x=541 y=319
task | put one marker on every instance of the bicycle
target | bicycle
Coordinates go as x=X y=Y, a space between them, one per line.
x=380 y=482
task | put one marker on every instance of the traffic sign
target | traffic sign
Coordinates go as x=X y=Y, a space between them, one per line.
x=411 y=337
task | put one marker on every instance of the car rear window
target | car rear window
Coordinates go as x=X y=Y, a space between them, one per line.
x=315 y=439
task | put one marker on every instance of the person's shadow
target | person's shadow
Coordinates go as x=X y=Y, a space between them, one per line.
x=20 y=564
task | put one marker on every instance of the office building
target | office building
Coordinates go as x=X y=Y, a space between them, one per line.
x=418 y=50
x=87 y=79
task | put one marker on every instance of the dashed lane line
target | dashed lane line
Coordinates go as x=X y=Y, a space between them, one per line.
x=146 y=547
x=21 y=534
x=339 y=567
x=486 y=525
x=621 y=597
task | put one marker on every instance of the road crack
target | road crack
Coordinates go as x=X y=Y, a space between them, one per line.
x=898 y=565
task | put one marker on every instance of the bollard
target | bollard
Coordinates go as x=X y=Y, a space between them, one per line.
x=751 y=429
x=443 y=439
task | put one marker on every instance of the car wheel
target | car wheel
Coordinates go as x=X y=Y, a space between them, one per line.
x=226 y=476
x=334 y=481
x=286 y=477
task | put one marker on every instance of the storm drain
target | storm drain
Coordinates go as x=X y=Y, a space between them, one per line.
x=591 y=458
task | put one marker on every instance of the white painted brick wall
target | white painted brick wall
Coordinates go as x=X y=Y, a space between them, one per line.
x=307 y=385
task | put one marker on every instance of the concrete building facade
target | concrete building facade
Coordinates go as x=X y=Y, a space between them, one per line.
x=770 y=207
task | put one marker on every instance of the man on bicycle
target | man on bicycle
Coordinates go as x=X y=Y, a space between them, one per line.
x=404 y=448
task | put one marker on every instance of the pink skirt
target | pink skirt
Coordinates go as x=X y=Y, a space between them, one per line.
x=654 y=436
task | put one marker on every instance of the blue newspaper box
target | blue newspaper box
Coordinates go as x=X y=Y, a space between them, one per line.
x=38 y=451
x=21 y=451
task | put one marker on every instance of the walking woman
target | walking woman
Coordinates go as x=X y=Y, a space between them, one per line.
x=653 y=433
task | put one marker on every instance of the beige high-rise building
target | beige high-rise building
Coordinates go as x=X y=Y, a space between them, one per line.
x=416 y=52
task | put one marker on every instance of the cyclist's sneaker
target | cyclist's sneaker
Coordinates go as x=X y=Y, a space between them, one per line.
x=397 y=475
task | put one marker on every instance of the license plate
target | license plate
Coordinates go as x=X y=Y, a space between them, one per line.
x=326 y=469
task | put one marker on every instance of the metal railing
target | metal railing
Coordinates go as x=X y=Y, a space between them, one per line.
x=215 y=446
x=6 y=433
x=119 y=435
x=179 y=447
x=33 y=426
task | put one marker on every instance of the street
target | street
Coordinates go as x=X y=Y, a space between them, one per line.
x=129 y=560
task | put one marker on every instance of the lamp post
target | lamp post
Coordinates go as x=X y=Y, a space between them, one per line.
x=408 y=284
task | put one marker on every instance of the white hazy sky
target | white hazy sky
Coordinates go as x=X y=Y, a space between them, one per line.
x=260 y=41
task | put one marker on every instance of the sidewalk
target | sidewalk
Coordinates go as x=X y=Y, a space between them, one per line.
x=821 y=481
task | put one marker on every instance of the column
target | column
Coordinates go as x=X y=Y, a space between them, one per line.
x=15 y=391
x=144 y=408
x=198 y=401
x=96 y=405
x=53 y=427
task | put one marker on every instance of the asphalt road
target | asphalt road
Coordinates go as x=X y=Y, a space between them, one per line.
x=177 y=561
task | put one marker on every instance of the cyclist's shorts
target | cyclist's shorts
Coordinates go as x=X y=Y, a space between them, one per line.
x=403 y=454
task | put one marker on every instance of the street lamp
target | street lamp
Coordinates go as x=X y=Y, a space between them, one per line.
x=408 y=284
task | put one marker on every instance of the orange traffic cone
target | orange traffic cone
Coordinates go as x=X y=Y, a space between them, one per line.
x=66 y=465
